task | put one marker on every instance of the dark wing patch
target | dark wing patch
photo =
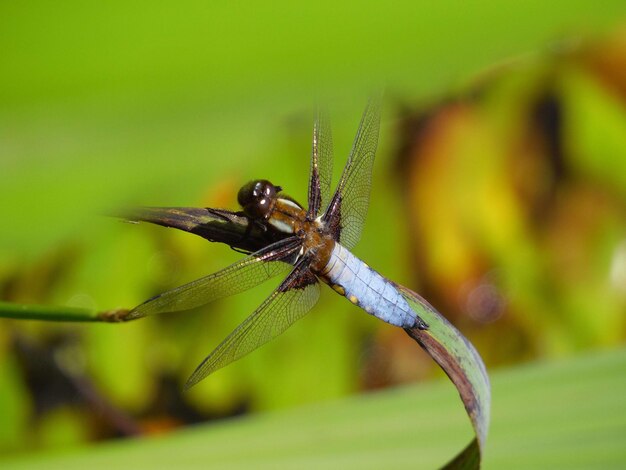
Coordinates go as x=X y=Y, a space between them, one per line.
x=238 y=277
x=321 y=165
x=348 y=208
x=289 y=302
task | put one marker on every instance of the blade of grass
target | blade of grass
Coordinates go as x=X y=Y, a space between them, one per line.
x=465 y=368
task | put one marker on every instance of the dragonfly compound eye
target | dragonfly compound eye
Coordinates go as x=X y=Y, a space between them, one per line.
x=256 y=198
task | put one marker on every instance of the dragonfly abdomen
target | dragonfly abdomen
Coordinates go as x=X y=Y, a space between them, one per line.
x=351 y=277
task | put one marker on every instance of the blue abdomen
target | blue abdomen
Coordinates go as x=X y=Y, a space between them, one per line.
x=363 y=286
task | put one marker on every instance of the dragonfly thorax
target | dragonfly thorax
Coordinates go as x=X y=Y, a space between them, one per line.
x=319 y=242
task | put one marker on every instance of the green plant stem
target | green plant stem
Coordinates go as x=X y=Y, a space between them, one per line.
x=59 y=314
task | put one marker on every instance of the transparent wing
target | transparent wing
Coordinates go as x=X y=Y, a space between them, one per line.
x=289 y=302
x=348 y=208
x=321 y=165
x=238 y=277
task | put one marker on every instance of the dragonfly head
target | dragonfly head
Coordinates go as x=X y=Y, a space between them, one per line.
x=257 y=198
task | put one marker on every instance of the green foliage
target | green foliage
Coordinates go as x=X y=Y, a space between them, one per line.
x=567 y=413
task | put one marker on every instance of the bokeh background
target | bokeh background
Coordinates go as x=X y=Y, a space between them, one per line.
x=499 y=193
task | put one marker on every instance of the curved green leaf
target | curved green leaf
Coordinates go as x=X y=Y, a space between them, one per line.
x=462 y=363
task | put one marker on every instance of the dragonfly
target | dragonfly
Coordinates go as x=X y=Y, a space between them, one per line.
x=311 y=246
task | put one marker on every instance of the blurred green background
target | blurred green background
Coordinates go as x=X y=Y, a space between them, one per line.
x=499 y=193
